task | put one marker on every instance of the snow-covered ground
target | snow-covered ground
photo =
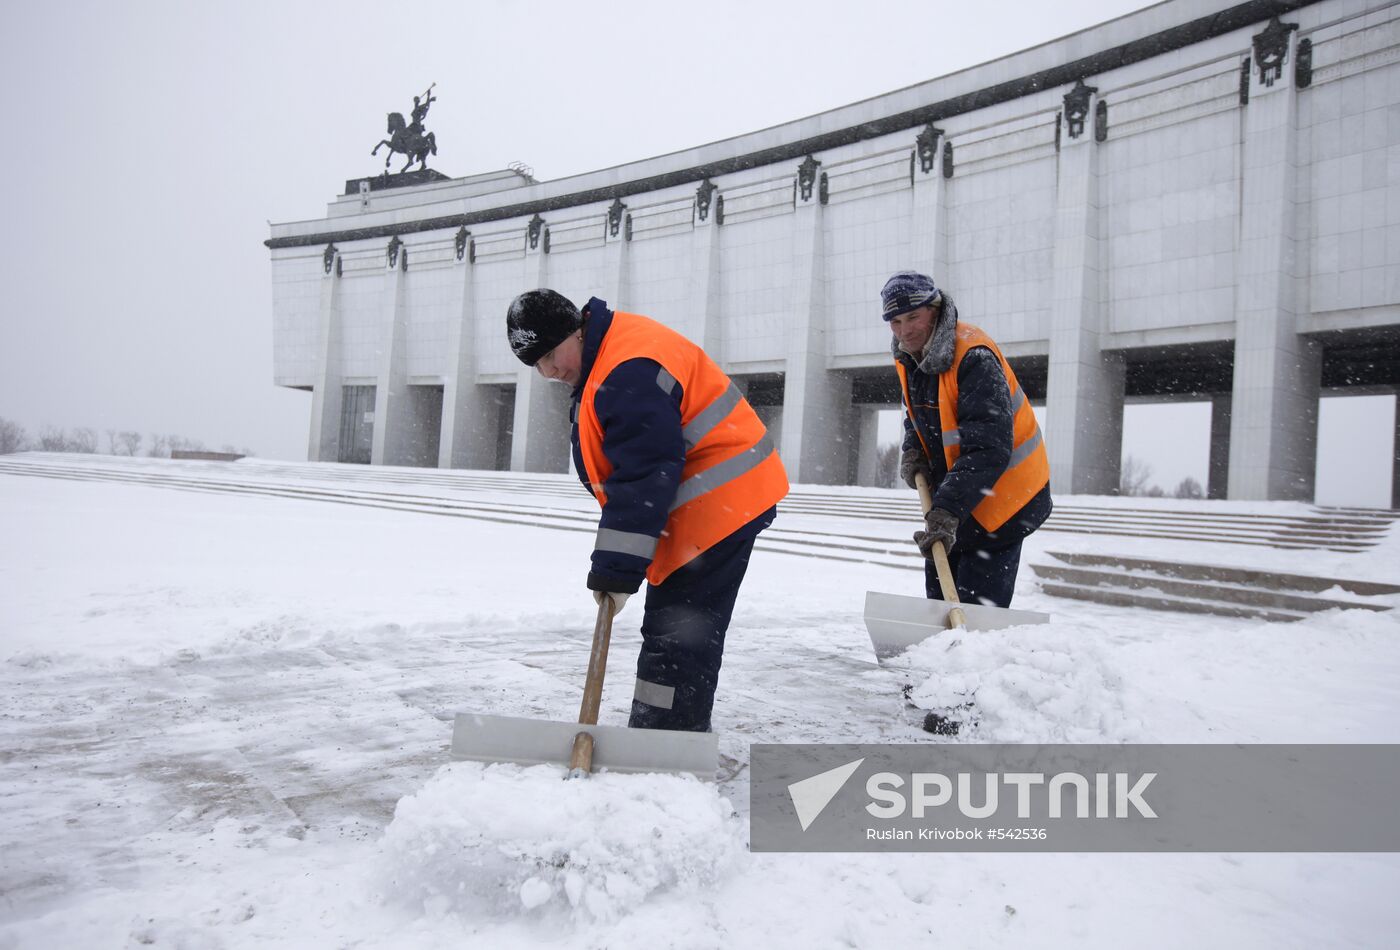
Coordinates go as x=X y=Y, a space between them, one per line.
x=225 y=716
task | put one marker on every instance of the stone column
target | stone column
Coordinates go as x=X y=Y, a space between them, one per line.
x=1218 y=477
x=702 y=320
x=929 y=237
x=818 y=419
x=469 y=419
x=393 y=409
x=1273 y=430
x=615 y=258
x=327 y=392
x=1395 y=459
x=1084 y=389
x=540 y=441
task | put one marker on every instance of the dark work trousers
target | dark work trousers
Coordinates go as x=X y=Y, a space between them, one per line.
x=683 y=639
x=984 y=576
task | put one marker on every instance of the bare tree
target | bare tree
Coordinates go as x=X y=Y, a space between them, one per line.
x=160 y=447
x=1132 y=479
x=130 y=442
x=12 y=437
x=83 y=440
x=887 y=466
x=53 y=440
x=1189 y=488
x=179 y=443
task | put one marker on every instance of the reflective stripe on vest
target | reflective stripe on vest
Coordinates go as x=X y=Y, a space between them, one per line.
x=731 y=473
x=1027 y=471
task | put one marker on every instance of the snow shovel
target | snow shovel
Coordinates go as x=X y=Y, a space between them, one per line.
x=480 y=738
x=896 y=623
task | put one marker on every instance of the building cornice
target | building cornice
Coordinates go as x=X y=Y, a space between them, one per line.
x=1204 y=28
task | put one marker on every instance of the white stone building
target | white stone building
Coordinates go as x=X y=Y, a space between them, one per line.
x=1197 y=200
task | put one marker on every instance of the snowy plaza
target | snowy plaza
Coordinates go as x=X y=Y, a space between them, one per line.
x=229 y=689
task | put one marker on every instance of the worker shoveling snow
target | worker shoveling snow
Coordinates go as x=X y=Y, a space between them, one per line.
x=498 y=840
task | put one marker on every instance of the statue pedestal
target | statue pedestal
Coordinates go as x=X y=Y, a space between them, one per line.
x=423 y=176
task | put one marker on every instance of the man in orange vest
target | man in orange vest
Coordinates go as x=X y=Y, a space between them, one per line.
x=686 y=476
x=969 y=429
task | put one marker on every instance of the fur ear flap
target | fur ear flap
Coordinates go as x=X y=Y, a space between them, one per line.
x=938 y=351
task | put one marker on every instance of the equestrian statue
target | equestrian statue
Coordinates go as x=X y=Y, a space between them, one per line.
x=408 y=138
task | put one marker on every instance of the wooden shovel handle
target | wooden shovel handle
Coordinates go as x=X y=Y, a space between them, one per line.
x=940 y=560
x=582 y=755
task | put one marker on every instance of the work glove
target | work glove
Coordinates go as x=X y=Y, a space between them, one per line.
x=911 y=463
x=619 y=599
x=939 y=525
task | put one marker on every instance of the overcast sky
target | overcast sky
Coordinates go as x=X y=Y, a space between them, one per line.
x=151 y=143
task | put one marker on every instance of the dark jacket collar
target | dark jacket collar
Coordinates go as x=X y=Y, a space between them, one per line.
x=597 y=318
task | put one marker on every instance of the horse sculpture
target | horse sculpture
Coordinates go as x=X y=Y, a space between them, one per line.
x=409 y=138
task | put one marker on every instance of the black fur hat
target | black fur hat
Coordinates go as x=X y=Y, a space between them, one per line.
x=538 y=321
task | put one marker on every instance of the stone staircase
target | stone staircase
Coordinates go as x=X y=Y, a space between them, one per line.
x=1342 y=530
x=1202 y=588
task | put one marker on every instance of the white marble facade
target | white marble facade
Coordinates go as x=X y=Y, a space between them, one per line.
x=1203 y=220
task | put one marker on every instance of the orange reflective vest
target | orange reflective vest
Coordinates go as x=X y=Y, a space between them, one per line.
x=1027 y=472
x=732 y=473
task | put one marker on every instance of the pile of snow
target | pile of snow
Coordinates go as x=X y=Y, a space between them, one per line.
x=500 y=840
x=1039 y=684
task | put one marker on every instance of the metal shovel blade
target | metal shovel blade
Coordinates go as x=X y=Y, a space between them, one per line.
x=896 y=623
x=479 y=738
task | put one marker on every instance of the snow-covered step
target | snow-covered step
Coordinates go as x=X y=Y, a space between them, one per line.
x=1204 y=588
x=1229 y=575
x=1195 y=590
x=1123 y=597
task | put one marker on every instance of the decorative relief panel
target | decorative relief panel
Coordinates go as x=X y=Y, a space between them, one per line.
x=576 y=233
x=1177 y=99
x=1271 y=50
x=865 y=176
x=497 y=245
x=1005 y=145
x=703 y=196
x=927 y=144
x=664 y=217
x=1348 y=54
x=1077 y=108
x=807 y=177
x=757 y=200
